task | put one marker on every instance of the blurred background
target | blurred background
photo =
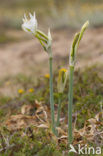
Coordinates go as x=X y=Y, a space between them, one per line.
x=50 y=13
x=20 y=52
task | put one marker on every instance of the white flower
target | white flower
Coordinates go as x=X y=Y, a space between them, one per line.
x=30 y=25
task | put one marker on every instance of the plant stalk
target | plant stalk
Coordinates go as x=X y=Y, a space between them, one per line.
x=59 y=109
x=51 y=96
x=70 y=97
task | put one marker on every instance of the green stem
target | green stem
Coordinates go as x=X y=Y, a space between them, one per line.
x=40 y=38
x=59 y=109
x=42 y=34
x=51 y=96
x=70 y=96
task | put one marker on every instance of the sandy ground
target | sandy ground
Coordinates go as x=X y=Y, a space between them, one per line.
x=28 y=56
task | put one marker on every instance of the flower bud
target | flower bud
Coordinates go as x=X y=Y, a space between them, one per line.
x=62 y=78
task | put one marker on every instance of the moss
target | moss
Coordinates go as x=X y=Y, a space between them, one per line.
x=25 y=145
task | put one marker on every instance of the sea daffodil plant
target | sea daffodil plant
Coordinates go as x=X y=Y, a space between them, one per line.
x=30 y=26
x=62 y=78
x=74 y=47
